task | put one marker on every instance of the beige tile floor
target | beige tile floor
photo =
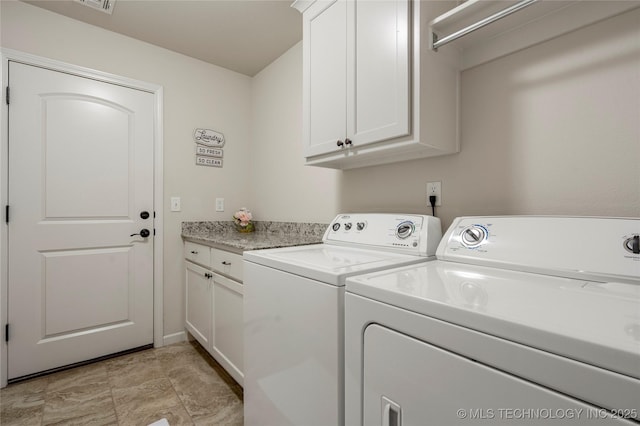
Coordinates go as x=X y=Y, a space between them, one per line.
x=180 y=383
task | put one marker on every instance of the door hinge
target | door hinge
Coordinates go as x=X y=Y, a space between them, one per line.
x=6 y=332
x=7 y=95
x=6 y=213
x=154 y=232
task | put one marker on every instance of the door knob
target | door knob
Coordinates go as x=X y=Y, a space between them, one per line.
x=144 y=233
x=144 y=215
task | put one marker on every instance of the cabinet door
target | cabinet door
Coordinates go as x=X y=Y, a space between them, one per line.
x=378 y=63
x=199 y=304
x=228 y=333
x=324 y=69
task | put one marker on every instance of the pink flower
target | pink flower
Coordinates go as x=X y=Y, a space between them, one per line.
x=242 y=217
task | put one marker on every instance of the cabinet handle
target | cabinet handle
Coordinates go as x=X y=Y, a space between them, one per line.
x=194 y=252
x=208 y=275
x=347 y=141
x=226 y=263
x=340 y=144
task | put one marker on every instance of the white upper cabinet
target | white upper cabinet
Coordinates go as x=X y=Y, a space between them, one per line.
x=373 y=91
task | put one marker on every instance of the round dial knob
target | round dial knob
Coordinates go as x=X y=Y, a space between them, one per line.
x=360 y=226
x=336 y=226
x=405 y=229
x=473 y=236
x=632 y=244
x=347 y=226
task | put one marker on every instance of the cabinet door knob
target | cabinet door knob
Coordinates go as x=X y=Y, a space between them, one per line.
x=226 y=263
x=340 y=144
x=194 y=252
x=208 y=275
x=347 y=141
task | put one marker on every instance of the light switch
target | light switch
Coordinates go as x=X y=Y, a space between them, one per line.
x=175 y=204
x=219 y=204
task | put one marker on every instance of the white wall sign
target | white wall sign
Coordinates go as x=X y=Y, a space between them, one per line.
x=209 y=152
x=208 y=161
x=208 y=137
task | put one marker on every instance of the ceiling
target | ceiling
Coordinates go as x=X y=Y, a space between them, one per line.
x=240 y=35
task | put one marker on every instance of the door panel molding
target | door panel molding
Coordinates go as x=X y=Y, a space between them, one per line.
x=7 y=55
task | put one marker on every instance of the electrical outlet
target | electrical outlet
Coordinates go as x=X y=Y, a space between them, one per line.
x=434 y=188
x=175 y=204
x=219 y=204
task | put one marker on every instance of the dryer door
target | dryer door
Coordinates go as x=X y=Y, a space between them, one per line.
x=410 y=382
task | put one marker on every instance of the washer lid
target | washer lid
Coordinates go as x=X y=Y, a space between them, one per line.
x=329 y=263
x=592 y=322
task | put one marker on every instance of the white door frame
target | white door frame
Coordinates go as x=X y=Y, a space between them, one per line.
x=7 y=55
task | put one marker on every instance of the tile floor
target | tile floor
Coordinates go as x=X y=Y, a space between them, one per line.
x=180 y=383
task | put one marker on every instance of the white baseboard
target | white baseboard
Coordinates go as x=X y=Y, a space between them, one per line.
x=174 y=338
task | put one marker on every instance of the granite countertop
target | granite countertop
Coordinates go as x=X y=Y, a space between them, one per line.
x=223 y=235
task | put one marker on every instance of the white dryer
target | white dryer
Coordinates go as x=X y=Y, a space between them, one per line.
x=521 y=320
x=294 y=316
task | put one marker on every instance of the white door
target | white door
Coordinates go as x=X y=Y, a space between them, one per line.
x=410 y=382
x=80 y=177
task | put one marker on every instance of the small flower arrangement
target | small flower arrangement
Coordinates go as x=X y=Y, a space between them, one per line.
x=242 y=219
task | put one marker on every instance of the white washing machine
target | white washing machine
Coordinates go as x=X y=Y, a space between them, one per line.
x=520 y=321
x=294 y=313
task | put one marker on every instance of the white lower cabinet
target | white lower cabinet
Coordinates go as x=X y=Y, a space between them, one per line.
x=199 y=306
x=227 y=342
x=213 y=304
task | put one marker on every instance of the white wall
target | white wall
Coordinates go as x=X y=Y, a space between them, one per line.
x=549 y=130
x=196 y=95
x=282 y=188
x=553 y=129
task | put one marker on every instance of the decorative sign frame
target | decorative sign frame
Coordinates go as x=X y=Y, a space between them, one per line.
x=209 y=152
x=209 y=137
x=208 y=161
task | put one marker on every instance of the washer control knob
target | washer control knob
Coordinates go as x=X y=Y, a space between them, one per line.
x=336 y=226
x=405 y=229
x=474 y=235
x=632 y=244
x=360 y=226
x=347 y=226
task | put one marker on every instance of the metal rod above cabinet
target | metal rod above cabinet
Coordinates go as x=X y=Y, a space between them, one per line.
x=441 y=41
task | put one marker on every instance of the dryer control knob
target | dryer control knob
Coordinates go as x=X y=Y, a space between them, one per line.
x=347 y=226
x=474 y=235
x=336 y=226
x=632 y=245
x=405 y=229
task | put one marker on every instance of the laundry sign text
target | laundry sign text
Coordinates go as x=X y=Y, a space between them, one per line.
x=208 y=161
x=208 y=137
x=209 y=152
